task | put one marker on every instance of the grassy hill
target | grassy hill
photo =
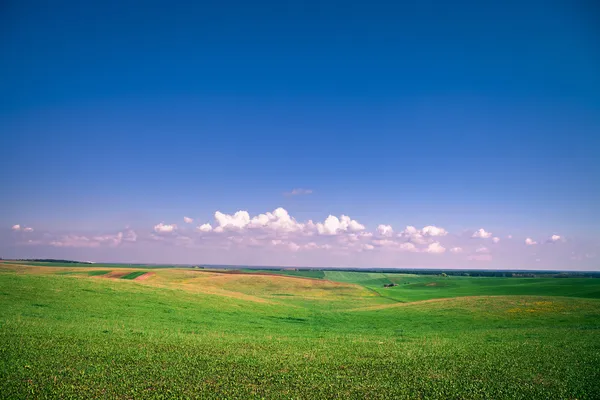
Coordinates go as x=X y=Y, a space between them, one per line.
x=105 y=332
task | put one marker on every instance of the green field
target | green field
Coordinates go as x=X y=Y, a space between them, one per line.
x=86 y=332
x=133 y=275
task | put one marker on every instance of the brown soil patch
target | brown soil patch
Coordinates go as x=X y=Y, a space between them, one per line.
x=144 y=277
x=432 y=284
x=114 y=274
x=237 y=272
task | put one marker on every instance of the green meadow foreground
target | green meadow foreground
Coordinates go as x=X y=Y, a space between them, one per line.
x=106 y=332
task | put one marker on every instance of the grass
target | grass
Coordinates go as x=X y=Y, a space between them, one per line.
x=133 y=275
x=86 y=273
x=301 y=273
x=198 y=334
x=415 y=287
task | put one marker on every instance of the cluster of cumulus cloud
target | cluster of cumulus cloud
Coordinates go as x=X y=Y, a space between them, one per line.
x=277 y=221
x=279 y=231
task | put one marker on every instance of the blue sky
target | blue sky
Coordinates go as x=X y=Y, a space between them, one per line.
x=116 y=117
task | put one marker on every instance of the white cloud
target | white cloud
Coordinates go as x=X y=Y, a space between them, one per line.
x=235 y=239
x=456 y=250
x=315 y=246
x=130 y=236
x=555 y=238
x=18 y=227
x=411 y=230
x=111 y=240
x=286 y=244
x=333 y=226
x=414 y=235
x=385 y=230
x=435 y=248
x=204 y=228
x=351 y=237
x=293 y=246
x=393 y=245
x=481 y=233
x=530 y=242
x=407 y=247
x=164 y=228
x=74 y=241
x=239 y=220
x=298 y=192
x=509 y=236
x=422 y=236
x=482 y=250
x=351 y=224
x=82 y=241
x=419 y=239
x=385 y=243
x=188 y=220
x=496 y=239
x=367 y=246
x=279 y=220
x=433 y=231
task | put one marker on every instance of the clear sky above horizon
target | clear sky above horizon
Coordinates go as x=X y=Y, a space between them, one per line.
x=118 y=120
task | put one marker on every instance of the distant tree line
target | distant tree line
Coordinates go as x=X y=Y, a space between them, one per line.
x=475 y=273
x=52 y=260
x=515 y=273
